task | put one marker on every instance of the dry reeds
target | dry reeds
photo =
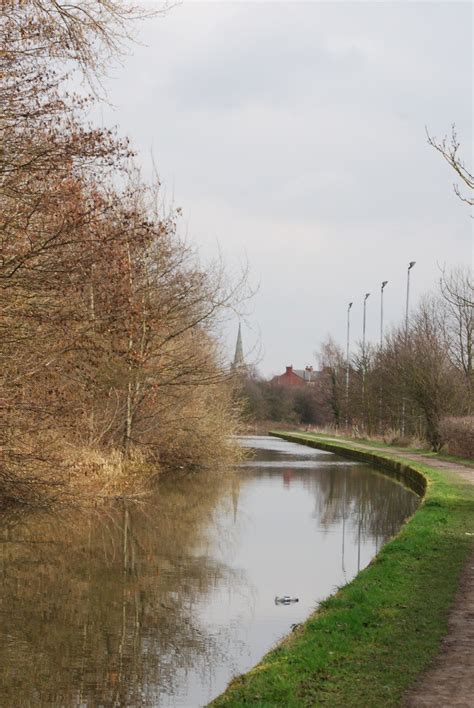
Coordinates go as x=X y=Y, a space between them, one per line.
x=458 y=434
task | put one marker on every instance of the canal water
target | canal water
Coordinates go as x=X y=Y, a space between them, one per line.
x=162 y=603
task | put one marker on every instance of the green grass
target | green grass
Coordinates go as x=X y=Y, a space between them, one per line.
x=367 y=644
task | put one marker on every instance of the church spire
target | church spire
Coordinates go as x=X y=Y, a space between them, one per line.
x=238 y=362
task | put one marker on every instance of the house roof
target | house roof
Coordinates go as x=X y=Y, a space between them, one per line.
x=307 y=375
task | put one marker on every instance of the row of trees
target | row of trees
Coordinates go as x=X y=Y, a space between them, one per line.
x=108 y=317
x=420 y=375
x=296 y=405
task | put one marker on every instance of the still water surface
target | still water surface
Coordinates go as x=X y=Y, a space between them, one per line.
x=160 y=604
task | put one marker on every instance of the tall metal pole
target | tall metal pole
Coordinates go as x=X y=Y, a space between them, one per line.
x=382 y=287
x=410 y=266
x=363 y=359
x=347 y=362
x=363 y=328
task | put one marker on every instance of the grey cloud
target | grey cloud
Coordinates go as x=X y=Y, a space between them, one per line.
x=300 y=127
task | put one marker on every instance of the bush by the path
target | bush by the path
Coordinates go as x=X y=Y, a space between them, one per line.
x=459 y=436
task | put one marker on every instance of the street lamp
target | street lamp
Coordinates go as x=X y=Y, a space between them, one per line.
x=382 y=288
x=363 y=327
x=347 y=362
x=364 y=363
x=410 y=266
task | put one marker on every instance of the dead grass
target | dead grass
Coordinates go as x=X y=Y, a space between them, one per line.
x=99 y=475
x=261 y=427
x=459 y=436
x=78 y=475
x=45 y=471
x=390 y=436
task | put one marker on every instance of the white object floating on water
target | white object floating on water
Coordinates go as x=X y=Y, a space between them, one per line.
x=285 y=600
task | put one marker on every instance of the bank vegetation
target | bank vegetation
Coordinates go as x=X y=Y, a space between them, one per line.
x=110 y=365
x=415 y=386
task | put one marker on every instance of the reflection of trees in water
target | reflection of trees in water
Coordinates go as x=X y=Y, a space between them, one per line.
x=101 y=608
x=98 y=608
x=372 y=504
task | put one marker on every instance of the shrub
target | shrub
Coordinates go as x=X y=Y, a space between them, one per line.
x=458 y=434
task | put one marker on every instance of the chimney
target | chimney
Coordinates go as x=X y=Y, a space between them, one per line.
x=289 y=369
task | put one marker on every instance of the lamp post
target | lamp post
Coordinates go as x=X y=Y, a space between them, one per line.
x=382 y=288
x=410 y=266
x=363 y=358
x=347 y=362
x=363 y=327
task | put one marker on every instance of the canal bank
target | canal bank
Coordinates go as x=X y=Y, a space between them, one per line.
x=369 y=644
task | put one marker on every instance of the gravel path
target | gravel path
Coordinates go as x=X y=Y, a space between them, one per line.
x=449 y=681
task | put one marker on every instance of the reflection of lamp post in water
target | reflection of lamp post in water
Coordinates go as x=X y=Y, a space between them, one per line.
x=358 y=541
x=344 y=524
x=347 y=362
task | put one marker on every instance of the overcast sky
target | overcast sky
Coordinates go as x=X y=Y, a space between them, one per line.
x=293 y=135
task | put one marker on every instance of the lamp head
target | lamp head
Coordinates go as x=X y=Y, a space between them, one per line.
x=366 y=296
x=349 y=306
x=384 y=283
x=412 y=263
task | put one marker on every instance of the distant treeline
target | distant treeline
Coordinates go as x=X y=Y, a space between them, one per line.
x=418 y=383
x=297 y=405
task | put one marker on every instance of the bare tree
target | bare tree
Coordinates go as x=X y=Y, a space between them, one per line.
x=419 y=366
x=333 y=365
x=449 y=149
x=457 y=311
x=108 y=330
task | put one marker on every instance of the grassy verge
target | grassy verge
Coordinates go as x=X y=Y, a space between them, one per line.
x=367 y=644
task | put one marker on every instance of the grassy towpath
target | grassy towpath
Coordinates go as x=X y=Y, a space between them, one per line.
x=402 y=632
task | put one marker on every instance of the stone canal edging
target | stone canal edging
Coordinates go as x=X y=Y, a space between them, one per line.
x=414 y=479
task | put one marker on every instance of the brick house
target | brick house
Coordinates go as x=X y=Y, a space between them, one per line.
x=296 y=377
